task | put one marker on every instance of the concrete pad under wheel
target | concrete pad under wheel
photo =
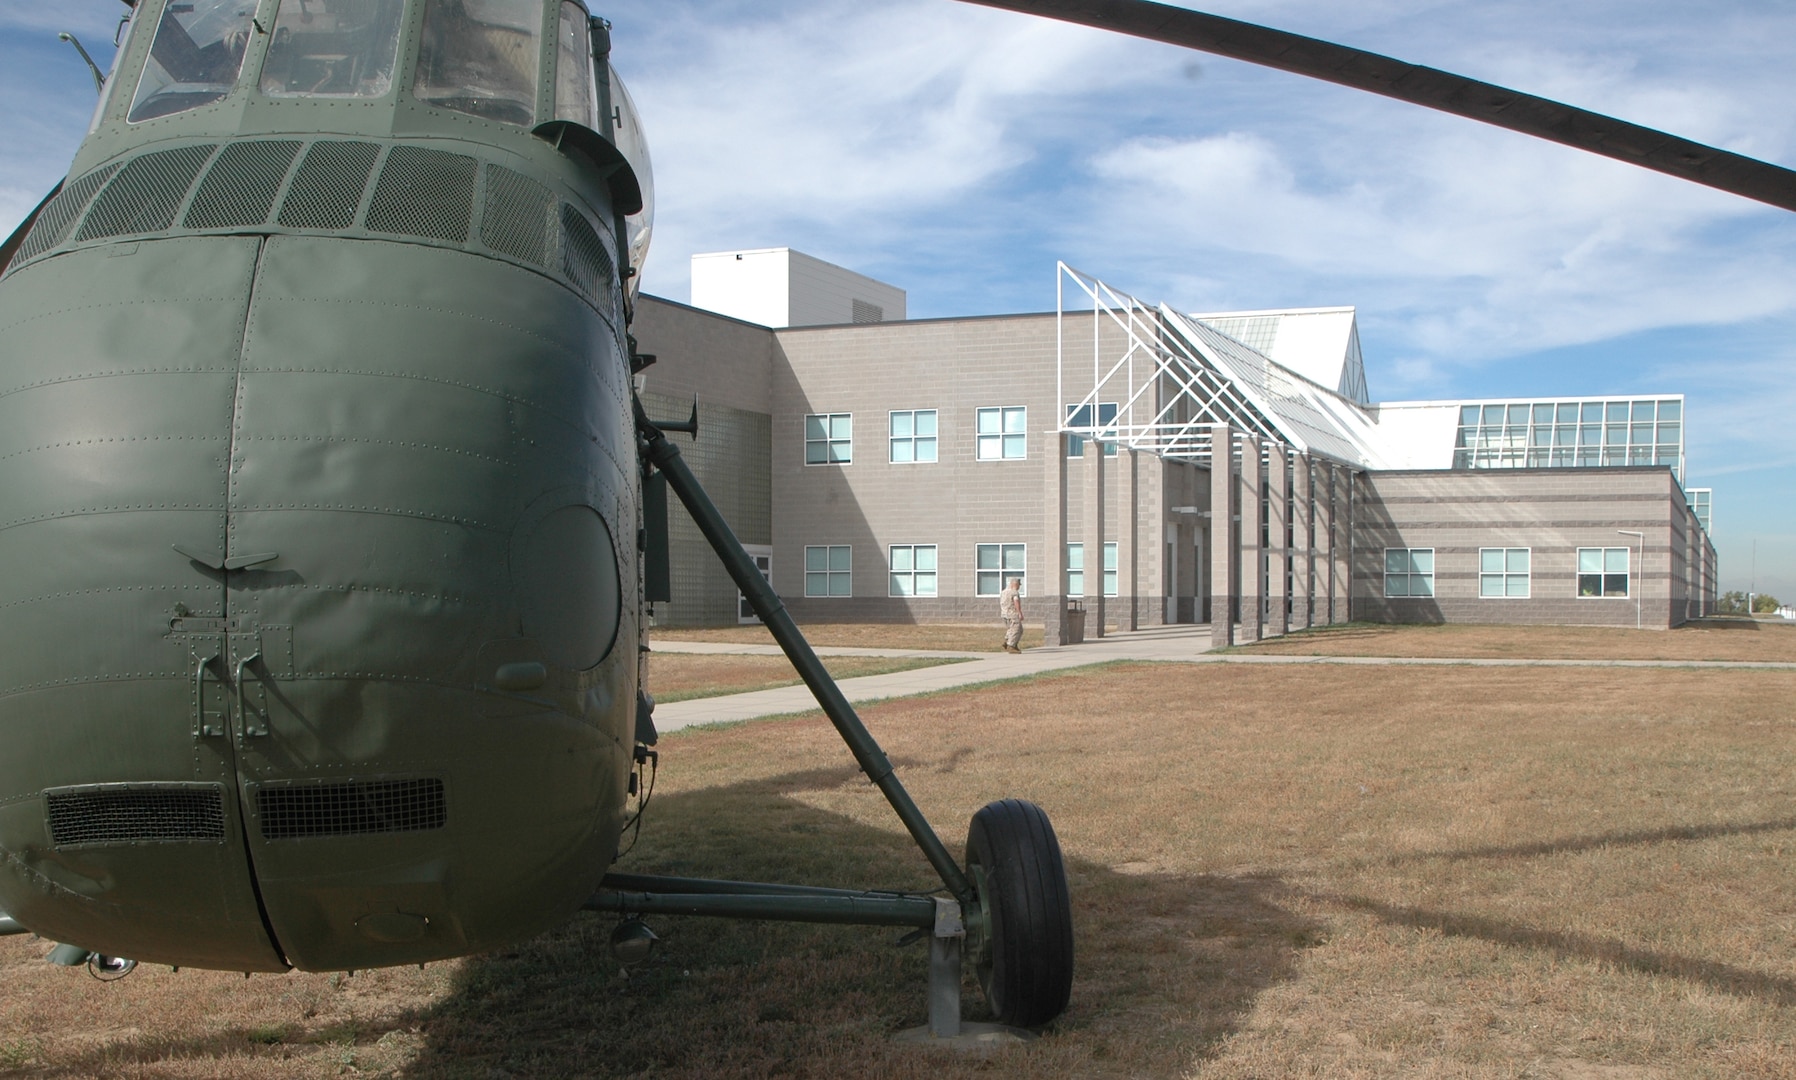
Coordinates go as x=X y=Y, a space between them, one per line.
x=975 y=1037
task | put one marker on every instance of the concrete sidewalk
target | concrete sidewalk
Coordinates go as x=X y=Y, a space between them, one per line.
x=1166 y=644
x=1172 y=643
x=729 y=648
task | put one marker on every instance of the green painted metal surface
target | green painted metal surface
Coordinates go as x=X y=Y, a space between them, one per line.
x=314 y=416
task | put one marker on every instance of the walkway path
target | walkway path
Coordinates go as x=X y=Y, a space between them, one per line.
x=1176 y=644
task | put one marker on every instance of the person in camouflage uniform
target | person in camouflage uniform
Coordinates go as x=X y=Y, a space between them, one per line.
x=1010 y=606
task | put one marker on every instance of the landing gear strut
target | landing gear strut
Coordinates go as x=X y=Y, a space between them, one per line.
x=1011 y=911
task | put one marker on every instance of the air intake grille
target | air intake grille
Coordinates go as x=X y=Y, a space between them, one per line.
x=328 y=186
x=382 y=806
x=239 y=188
x=135 y=814
x=518 y=217
x=424 y=192
x=583 y=257
x=53 y=224
x=146 y=193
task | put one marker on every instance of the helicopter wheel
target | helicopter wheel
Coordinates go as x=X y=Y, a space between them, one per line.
x=1021 y=938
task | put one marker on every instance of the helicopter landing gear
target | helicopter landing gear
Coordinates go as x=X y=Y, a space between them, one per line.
x=1009 y=908
x=1020 y=937
x=109 y=968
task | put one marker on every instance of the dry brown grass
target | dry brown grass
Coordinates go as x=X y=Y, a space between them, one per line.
x=680 y=676
x=950 y=637
x=1709 y=639
x=1451 y=872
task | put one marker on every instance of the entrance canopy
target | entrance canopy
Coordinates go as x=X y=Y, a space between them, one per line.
x=1151 y=379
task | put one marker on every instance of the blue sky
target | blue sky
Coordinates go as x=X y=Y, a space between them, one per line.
x=958 y=152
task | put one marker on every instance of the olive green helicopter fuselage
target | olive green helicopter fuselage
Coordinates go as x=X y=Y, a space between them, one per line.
x=319 y=492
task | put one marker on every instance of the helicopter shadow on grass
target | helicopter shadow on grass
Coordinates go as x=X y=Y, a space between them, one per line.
x=1168 y=965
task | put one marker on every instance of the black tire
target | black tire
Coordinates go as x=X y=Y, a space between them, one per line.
x=1022 y=943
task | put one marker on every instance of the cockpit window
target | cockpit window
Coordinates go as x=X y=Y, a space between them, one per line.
x=333 y=48
x=574 y=98
x=480 y=57
x=195 y=57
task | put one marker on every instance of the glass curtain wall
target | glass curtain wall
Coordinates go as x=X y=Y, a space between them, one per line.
x=1538 y=434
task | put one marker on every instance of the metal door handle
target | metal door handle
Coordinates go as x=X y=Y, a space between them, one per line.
x=250 y=730
x=199 y=697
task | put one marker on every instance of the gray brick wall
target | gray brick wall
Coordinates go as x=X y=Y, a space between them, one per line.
x=730 y=459
x=1552 y=512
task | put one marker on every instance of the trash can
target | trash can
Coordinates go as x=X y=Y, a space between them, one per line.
x=1075 y=622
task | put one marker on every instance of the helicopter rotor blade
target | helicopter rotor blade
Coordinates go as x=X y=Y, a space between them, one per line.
x=1428 y=87
x=13 y=242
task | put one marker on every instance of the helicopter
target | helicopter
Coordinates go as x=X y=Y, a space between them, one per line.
x=331 y=517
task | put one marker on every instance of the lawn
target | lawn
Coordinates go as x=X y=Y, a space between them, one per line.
x=1304 y=871
x=680 y=676
x=1707 y=639
x=948 y=637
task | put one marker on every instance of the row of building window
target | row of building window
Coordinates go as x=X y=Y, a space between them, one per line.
x=1503 y=573
x=1506 y=573
x=1000 y=433
x=912 y=569
x=1566 y=433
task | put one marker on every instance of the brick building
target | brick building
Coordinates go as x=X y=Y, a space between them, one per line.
x=901 y=470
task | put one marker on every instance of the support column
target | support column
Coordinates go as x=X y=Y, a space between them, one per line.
x=1325 y=543
x=1341 y=607
x=1253 y=545
x=1303 y=577
x=1049 y=595
x=1223 y=553
x=1094 y=538
x=1278 y=518
x=1128 y=555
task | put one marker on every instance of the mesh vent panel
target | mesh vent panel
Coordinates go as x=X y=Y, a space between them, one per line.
x=146 y=193
x=53 y=224
x=135 y=815
x=583 y=257
x=327 y=189
x=383 y=806
x=239 y=188
x=424 y=192
x=518 y=216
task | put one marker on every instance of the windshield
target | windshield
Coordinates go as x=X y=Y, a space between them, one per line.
x=574 y=98
x=480 y=57
x=195 y=58
x=333 y=48
x=634 y=146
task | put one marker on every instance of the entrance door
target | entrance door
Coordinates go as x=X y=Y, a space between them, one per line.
x=763 y=557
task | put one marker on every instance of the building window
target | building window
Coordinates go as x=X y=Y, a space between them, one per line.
x=913 y=570
x=828 y=438
x=1002 y=433
x=1534 y=434
x=1075 y=569
x=1079 y=416
x=1409 y=571
x=1603 y=571
x=994 y=564
x=826 y=571
x=913 y=436
x=1503 y=572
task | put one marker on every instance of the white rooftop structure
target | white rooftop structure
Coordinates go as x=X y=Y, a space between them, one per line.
x=1297 y=377
x=780 y=287
x=1321 y=344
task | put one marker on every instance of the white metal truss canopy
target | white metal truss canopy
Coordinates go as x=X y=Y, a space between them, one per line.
x=1172 y=377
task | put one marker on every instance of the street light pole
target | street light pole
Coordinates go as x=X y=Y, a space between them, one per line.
x=1642 y=571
